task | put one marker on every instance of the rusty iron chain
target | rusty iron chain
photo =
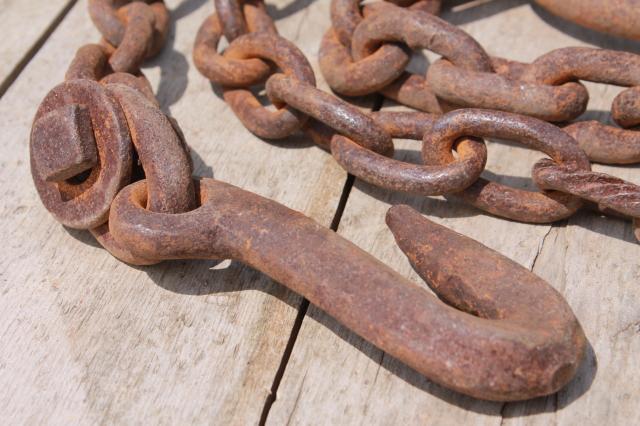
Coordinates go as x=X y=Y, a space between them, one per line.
x=104 y=157
x=367 y=50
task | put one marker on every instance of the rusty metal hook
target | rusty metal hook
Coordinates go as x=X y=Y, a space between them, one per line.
x=520 y=341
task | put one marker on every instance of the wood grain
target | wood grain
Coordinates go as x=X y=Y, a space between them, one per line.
x=334 y=377
x=87 y=339
x=24 y=25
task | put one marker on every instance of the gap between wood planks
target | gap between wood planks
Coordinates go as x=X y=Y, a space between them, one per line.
x=304 y=306
x=20 y=66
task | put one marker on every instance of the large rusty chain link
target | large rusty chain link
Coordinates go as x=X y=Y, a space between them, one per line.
x=105 y=158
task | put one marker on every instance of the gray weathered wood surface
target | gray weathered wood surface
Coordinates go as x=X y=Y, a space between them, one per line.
x=24 y=25
x=85 y=339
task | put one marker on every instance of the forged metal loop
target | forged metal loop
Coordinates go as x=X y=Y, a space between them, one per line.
x=608 y=191
x=371 y=47
x=396 y=175
x=520 y=341
x=359 y=75
x=330 y=110
x=617 y=17
x=242 y=17
x=226 y=71
x=625 y=109
x=606 y=144
x=257 y=18
x=91 y=63
x=136 y=82
x=343 y=74
x=602 y=143
x=414 y=91
x=419 y=30
x=137 y=29
x=585 y=63
x=84 y=204
x=363 y=71
x=165 y=160
x=357 y=78
x=221 y=70
x=347 y=14
x=231 y=18
x=499 y=199
x=291 y=61
x=486 y=89
x=162 y=154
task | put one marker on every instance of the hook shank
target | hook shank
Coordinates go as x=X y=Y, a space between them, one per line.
x=524 y=343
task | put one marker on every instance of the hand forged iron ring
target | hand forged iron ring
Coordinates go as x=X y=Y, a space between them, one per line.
x=448 y=175
x=258 y=119
x=495 y=198
x=137 y=29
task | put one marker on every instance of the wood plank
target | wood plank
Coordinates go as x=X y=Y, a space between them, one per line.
x=88 y=339
x=25 y=25
x=334 y=377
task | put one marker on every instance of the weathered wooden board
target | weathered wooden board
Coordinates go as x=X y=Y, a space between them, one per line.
x=24 y=25
x=334 y=377
x=87 y=339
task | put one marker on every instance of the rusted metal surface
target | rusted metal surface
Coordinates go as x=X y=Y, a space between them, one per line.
x=225 y=71
x=486 y=89
x=585 y=63
x=83 y=204
x=605 y=144
x=137 y=29
x=63 y=144
x=548 y=89
x=382 y=62
x=91 y=63
x=496 y=198
x=617 y=17
x=367 y=75
x=609 y=192
x=160 y=151
x=251 y=16
x=414 y=91
x=230 y=12
x=291 y=61
x=625 y=109
x=372 y=60
x=452 y=176
x=520 y=341
x=347 y=14
x=418 y=31
x=339 y=115
x=370 y=74
x=165 y=161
